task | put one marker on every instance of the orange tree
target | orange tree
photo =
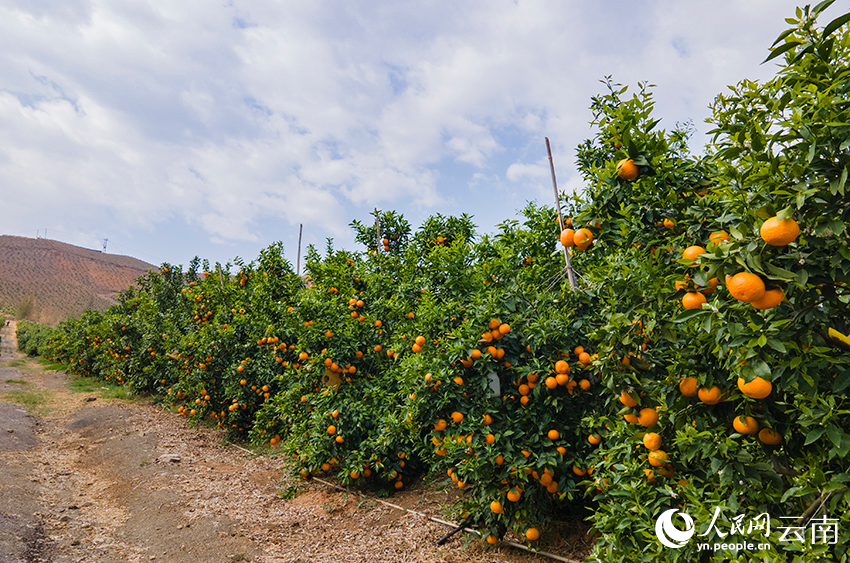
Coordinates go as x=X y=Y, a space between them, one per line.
x=727 y=399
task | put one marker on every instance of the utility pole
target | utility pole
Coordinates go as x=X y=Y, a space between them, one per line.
x=298 y=256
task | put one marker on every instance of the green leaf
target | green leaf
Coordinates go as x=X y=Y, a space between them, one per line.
x=835 y=24
x=690 y=314
x=782 y=49
x=834 y=435
x=789 y=493
x=780 y=273
x=776 y=345
x=814 y=435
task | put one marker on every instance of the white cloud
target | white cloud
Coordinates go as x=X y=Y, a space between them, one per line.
x=232 y=117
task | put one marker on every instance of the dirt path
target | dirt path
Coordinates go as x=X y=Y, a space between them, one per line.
x=89 y=479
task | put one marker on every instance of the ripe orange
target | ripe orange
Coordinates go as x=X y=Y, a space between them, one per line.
x=331 y=429
x=779 y=232
x=584 y=358
x=647 y=417
x=578 y=471
x=594 y=439
x=658 y=458
x=582 y=239
x=532 y=534
x=553 y=434
x=514 y=494
x=748 y=425
x=420 y=340
x=496 y=507
x=492 y=540
x=770 y=437
x=562 y=367
x=710 y=396
x=627 y=399
x=712 y=285
x=567 y=237
x=627 y=169
x=718 y=236
x=693 y=300
x=551 y=382
x=688 y=386
x=490 y=439
x=769 y=300
x=652 y=440
x=758 y=388
x=504 y=328
x=631 y=418
x=745 y=286
x=488 y=419
x=692 y=253
x=457 y=417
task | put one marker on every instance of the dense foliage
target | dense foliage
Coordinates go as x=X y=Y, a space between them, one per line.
x=651 y=386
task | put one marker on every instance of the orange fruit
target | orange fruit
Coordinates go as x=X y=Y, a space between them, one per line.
x=712 y=285
x=582 y=239
x=779 y=232
x=693 y=300
x=420 y=340
x=745 y=286
x=652 y=440
x=578 y=350
x=457 y=417
x=532 y=534
x=692 y=253
x=594 y=439
x=490 y=438
x=584 y=358
x=710 y=396
x=669 y=223
x=488 y=419
x=331 y=429
x=504 y=328
x=770 y=299
x=578 y=471
x=562 y=367
x=718 y=236
x=631 y=418
x=758 y=388
x=688 y=386
x=770 y=437
x=647 y=417
x=553 y=434
x=658 y=458
x=514 y=494
x=627 y=169
x=567 y=237
x=562 y=378
x=584 y=384
x=496 y=507
x=551 y=382
x=492 y=540
x=627 y=399
x=748 y=425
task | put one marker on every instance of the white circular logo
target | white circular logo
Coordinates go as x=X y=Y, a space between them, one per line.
x=667 y=532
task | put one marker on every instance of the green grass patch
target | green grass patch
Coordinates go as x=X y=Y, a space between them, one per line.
x=16 y=382
x=33 y=401
x=50 y=365
x=102 y=388
x=16 y=363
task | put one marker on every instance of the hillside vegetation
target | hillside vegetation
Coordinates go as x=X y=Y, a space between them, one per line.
x=48 y=281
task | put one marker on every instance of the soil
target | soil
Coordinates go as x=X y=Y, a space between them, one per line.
x=90 y=479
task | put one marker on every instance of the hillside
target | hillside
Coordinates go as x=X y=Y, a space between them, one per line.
x=61 y=279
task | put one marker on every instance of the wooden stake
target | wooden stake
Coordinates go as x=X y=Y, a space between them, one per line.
x=571 y=276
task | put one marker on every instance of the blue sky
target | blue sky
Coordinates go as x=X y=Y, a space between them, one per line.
x=187 y=128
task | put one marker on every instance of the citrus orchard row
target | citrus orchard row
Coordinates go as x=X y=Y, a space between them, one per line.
x=700 y=364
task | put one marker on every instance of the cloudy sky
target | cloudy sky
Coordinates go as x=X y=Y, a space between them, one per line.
x=187 y=128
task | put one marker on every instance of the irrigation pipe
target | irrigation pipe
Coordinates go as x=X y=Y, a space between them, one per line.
x=437 y=520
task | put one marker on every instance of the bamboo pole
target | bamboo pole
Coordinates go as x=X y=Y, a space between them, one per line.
x=571 y=276
x=298 y=256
